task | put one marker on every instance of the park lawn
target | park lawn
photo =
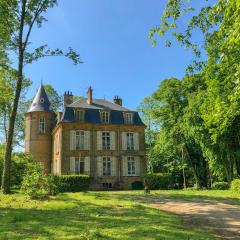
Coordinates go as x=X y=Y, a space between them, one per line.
x=96 y=215
x=224 y=196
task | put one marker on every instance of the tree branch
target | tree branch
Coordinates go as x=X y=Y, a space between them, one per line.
x=36 y=15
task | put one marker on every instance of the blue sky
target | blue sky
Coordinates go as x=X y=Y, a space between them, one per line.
x=112 y=39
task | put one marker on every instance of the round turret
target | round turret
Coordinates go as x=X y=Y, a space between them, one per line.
x=40 y=120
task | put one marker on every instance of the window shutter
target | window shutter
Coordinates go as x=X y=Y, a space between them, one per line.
x=72 y=140
x=124 y=142
x=86 y=140
x=112 y=140
x=113 y=166
x=72 y=164
x=87 y=165
x=99 y=140
x=99 y=166
x=136 y=141
x=137 y=164
x=124 y=166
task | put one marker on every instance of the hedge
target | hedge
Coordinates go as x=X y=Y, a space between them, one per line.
x=72 y=183
x=220 y=186
x=158 y=180
x=235 y=185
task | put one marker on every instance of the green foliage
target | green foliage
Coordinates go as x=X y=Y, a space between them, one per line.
x=235 y=185
x=7 y=88
x=199 y=114
x=54 y=98
x=158 y=180
x=35 y=184
x=53 y=185
x=72 y=183
x=17 y=20
x=20 y=163
x=220 y=186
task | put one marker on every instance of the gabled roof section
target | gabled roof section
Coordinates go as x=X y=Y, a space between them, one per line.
x=99 y=104
x=40 y=102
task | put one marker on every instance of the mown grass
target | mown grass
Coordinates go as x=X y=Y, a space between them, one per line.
x=97 y=215
x=224 y=196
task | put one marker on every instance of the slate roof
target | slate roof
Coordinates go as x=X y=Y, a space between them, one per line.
x=92 y=112
x=93 y=116
x=99 y=104
x=40 y=102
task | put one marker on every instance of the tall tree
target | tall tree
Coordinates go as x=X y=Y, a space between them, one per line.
x=17 y=19
x=213 y=113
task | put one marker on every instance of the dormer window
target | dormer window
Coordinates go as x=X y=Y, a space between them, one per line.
x=41 y=100
x=79 y=115
x=105 y=117
x=128 y=118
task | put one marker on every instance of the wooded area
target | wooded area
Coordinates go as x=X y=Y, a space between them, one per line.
x=193 y=123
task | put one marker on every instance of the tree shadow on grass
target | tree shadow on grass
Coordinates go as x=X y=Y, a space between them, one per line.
x=71 y=218
x=158 y=197
x=206 y=212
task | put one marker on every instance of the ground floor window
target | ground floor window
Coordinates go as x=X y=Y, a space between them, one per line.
x=131 y=166
x=107 y=185
x=79 y=165
x=106 y=166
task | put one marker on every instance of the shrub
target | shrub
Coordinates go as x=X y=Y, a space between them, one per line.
x=18 y=166
x=220 y=186
x=158 y=180
x=52 y=185
x=235 y=185
x=72 y=183
x=35 y=183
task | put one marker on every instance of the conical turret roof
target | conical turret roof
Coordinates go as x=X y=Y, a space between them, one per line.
x=40 y=102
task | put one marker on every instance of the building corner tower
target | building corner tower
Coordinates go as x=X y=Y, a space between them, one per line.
x=40 y=120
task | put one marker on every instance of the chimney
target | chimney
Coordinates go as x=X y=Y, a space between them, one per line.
x=89 y=95
x=67 y=98
x=117 y=100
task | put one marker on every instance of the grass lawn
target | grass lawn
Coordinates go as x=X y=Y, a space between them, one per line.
x=99 y=215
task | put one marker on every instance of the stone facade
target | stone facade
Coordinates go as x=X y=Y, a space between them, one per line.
x=39 y=144
x=73 y=145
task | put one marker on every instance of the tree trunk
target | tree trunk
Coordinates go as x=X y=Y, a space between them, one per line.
x=8 y=153
x=193 y=167
x=183 y=171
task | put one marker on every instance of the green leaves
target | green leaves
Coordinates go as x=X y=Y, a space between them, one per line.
x=45 y=51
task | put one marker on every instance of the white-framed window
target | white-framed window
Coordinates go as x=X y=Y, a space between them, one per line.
x=130 y=141
x=106 y=143
x=79 y=115
x=128 y=118
x=41 y=125
x=105 y=117
x=131 y=166
x=106 y=161
x=79 y=139
x=79 y=165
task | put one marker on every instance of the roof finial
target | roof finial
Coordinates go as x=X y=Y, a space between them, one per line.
x=41 y=82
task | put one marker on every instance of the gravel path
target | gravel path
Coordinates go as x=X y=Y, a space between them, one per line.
x=223 y=219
